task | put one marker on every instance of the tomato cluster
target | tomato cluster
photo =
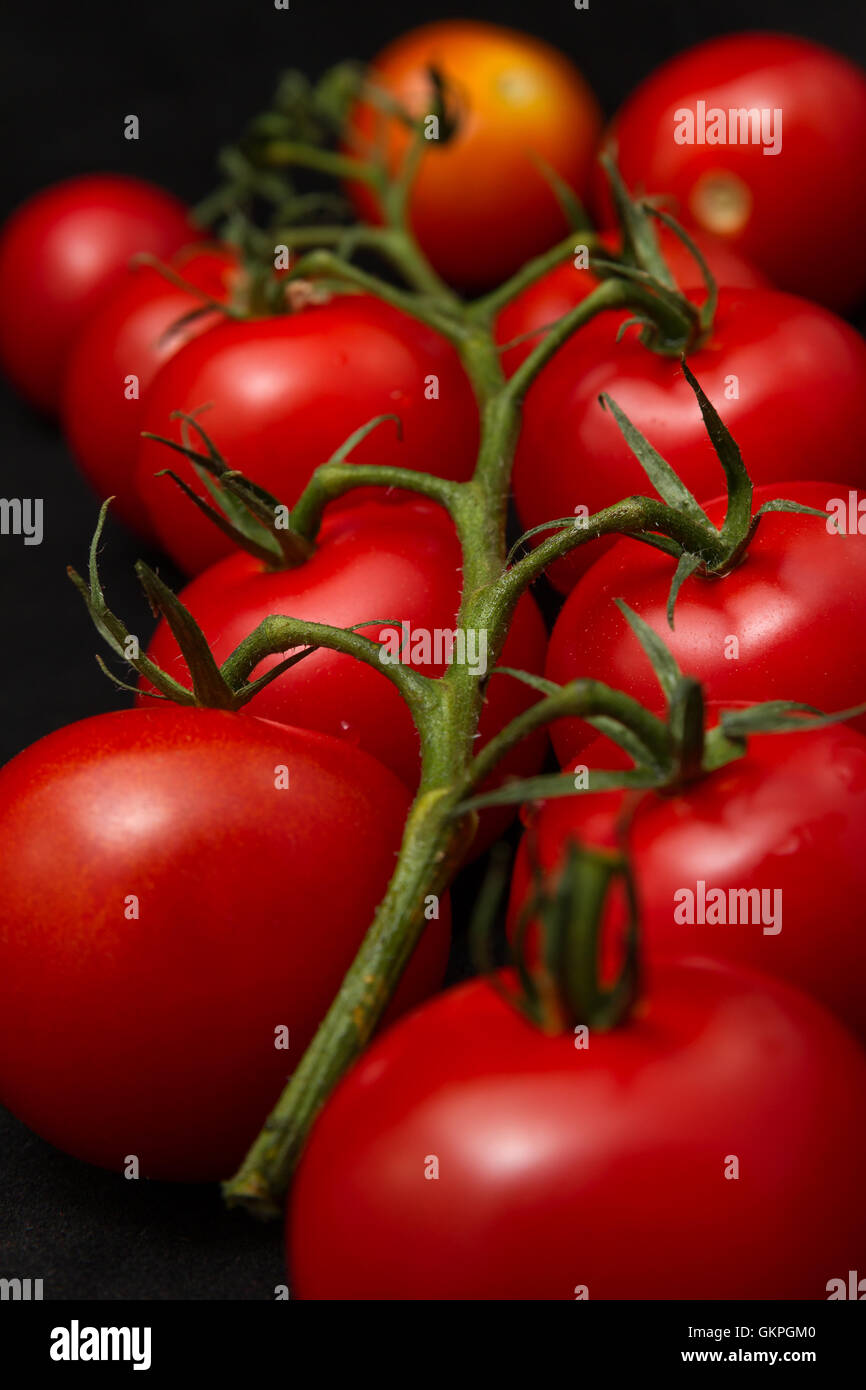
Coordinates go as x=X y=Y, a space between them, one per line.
x=184 y=886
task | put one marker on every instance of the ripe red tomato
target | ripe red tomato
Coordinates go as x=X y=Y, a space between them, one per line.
x=287 y=391
x=785 y=625
x=799 y=374
x=388 y=557
x=480 y=205
x=567 y=286
x=503 y=1163
x=165 y=908
x=789 y=819
x=752 y=198
x=132 y=333
x=59 y=253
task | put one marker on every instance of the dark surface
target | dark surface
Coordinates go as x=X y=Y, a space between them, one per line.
x=193 y=71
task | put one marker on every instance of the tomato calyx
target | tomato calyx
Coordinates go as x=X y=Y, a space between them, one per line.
x=245 y=512
x=667 y=753
x=560 y=985
x=678 y=525
x=228 y=686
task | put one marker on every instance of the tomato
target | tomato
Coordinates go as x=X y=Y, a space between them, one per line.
x=789 y=819
x=164 y=909
x=389 y=557
x=787 y=378
x=59 y=253
x=131 y=334
x=785 y=625
x=480 y=205
x=563 y=288
x=752 y=197
x=504 y=1163
x=287 y=391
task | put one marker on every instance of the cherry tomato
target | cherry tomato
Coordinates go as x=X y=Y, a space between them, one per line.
x=468 y=1155
x=568 y=285
x=177 y=886
x=788 y=819
x=286 y=392
x=785 y=625
x=480 y=205
x=132 y=332
x=786 y=376
x=737 y=187
x=390 y=557
x=59 y=253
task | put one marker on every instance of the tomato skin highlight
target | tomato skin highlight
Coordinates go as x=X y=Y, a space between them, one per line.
x=793 y=608
x=60 y=252
x=479 y=205
x=800 y=372
x=604 y=1167
x=755 y=200
x=286 y=392
x=392 y=556
x=788 y=817
x=132 y=333
x=566 y=286
x=155 y=1036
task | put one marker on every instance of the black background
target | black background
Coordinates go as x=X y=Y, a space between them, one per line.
x=193 y=71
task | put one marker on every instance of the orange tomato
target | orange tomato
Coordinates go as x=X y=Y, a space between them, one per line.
x=480 y=206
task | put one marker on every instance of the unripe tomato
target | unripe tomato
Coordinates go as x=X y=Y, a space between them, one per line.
x=480 y=205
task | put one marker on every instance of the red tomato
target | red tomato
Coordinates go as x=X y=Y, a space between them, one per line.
x=601 y=1173
x=388 y=557
x=480 y=205
x=59 y=253
x=287 y=391
x=131 y=334
x=567 y=286
x=800 y=375
x=788 y=819
x=164 y=909
x=785 y=625
x=737 y=189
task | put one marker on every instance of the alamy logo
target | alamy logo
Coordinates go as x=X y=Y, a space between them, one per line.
x=77 y=1343
x=22 y=516
x=736 y=907
x=742 y=125
x=438 y=646
x=20 y=1290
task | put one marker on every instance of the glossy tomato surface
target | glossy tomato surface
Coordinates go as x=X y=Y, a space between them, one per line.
x=568 y=285
x=392 y=557
x=59 y=253
x=166 y=904
x=752 y=198
x=136 y=328
x=786 y=376
x=480 y=205
x=787 y=819
x=471 y=1156
x=284 y=393
x=785 y=625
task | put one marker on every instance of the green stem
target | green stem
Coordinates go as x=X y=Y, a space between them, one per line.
x=332 y=480
x=585 y=699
